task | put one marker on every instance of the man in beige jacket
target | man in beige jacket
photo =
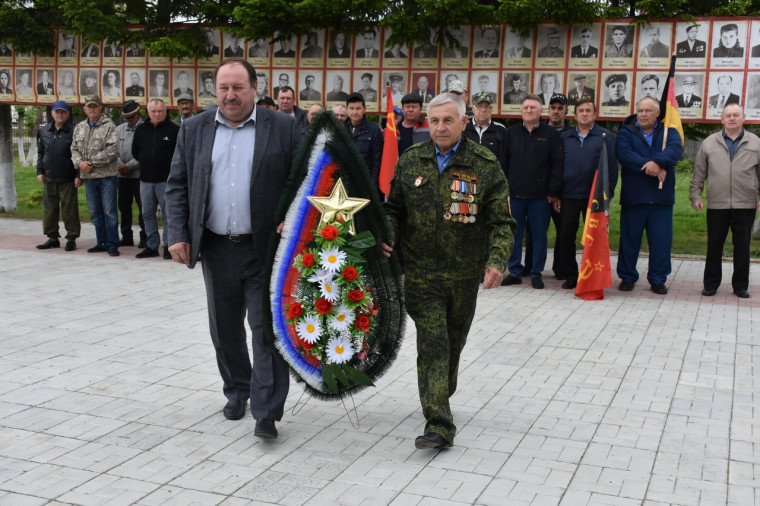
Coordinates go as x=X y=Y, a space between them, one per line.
x=730 y=159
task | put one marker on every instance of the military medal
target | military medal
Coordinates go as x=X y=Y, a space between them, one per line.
x=418 y=181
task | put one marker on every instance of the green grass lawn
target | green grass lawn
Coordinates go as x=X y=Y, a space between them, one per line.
x=689 y=226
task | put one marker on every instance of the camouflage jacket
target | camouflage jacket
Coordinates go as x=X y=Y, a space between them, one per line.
x=97 y=144
x=454 y=224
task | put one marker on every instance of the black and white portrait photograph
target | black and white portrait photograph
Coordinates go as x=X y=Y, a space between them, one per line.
x=6 y=50
x=313 y=46
x=650 y=84
x=585 y=41
x=158 y=83
x=486 y=44
x=546 y=85
x=616 y=93
x=655 y=45
x=111 y=79
x=689 y=92
x=754 y=44
x=515 y=86
x=397 y=82
x=551 y=42
x=340 y=45
x=90 y=48
x=518 y=49
x=485 y=82
x=449 y=76
x=724 y=88
x=258 y=51
x=310 y=87
x=753 y=96
x=135 y=83
x=182 y=83
x=88 y=82
x=728 y=44
x=367 y=45
x=394 y=55
x=6 y=81
x=234 y=45
x=282 y=78
x=134 y=51
x=45 y=82
x=338 y=86
x=619 y=45
x=24 y=82
x=67 y=46
x=691 y=44
x=425 y=50
x=206 y=86
x=457 y=43
x=581 y=85
x=366 y=83
x=211 y=42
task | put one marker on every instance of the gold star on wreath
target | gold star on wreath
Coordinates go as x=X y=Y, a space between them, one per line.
x=338 y=206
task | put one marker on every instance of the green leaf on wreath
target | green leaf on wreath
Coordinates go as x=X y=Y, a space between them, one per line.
x=363 y=240
x=329 y=378
x=354 y=256
x=339 y=374
x=358 y=377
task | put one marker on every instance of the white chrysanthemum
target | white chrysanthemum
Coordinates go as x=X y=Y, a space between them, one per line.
x=329 y=289
x=339 y=350
x=331 y=259
x=342 y=319
x=319 y=276
x=309 y=329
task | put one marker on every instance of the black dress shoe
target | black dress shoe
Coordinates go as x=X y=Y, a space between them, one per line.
x=709 y=292
x=167 y=255
x=626 y=286
x=235 y=410
x=265 y=429
x=431 y=440
x=569 y=284
x=511 y=280
x=142 y=244
x=127 y=241
x=97 y=249
x=113 y=251
x=147 y=253
x=71 y=245
x=50 y=243
x=660 y=289
x=537 y=282
x=742 y=294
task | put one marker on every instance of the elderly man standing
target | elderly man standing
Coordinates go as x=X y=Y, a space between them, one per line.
x=185 y=106
x=95 y=152
x=647 y=194
x=61 y=179
x=228 y=172
x=129 y=174
x=730 y=161
x=534 y=169
x=448 y=243
x=485 y=132
x=153 y=146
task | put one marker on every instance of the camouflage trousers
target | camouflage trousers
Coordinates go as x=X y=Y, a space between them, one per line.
x=442 y=311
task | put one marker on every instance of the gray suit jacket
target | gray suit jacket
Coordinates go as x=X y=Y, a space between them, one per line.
x=188 y=186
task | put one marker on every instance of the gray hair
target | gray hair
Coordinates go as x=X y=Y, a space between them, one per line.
x=157 y=101
x=654 y=101
x=445 y=98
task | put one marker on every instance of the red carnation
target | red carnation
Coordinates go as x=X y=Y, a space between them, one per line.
x=362 y=323
x=329 y=233
x=323 y=306
x=355 y=295
x=308 y=260
x=295 y=311
x=350 y=273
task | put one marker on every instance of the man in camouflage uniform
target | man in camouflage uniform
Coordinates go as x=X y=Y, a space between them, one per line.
x=95 y=152
x=448 y=207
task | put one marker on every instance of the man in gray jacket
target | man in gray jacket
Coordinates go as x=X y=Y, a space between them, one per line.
x=730 y=159
x=129 y=174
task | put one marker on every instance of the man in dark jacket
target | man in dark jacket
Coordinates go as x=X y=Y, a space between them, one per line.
x=534 y=171
x=412 y=129
x=153 y=146
x=647 y=194
x=582 y=146
x=484 y=131
x=367 y=136
x=56 y=171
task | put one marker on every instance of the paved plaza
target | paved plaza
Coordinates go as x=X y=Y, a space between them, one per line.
x=109 y=394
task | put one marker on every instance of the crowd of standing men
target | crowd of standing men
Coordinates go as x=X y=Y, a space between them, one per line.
x=465 y=192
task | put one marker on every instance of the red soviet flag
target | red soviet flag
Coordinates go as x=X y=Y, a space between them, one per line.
x=595 y=271
x=390 y=147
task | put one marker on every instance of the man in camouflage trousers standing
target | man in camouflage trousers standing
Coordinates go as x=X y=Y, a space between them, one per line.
x=448 y=208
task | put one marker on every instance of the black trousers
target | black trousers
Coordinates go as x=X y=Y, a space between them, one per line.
x=232 y=274
x=718 y=223
x=129 y=188
x=572 y=210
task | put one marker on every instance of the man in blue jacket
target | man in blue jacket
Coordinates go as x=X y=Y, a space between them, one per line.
x=647 y=194
x=366 y=135
x=583 y=147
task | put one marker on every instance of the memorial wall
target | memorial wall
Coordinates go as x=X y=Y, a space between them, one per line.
x=613 y=62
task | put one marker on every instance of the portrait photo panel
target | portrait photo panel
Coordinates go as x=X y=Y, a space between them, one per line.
x=518 y=49
x=691 y=44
